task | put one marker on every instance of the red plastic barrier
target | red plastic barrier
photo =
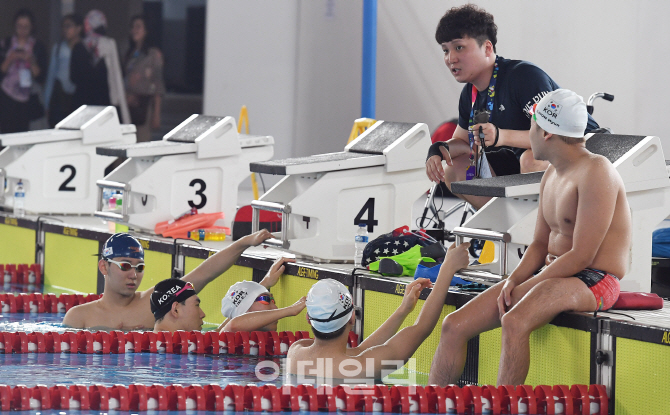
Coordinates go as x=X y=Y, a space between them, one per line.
x=149 y=342
x=307 y=393
x=51 y=303
x=211 y=342
x=98 y=396
x=157 y=398
x=20 y=398
x=176 y=398
x=120 y=394
x=5 y=398
x=84 y=342
x=36 y=342
x=271 y=398
x=258 y=339
x=353 y=339
x=41 y=394
x=197 y=339
x=242 y=343
x=214 y=398
x=20 y=342
x=68 y=342
x=327 y=398
x=527 y=396
x=80 y=397
x=509 y=399
x=164 y=342
x=491 y=393
x=195 y=395
x=133 y=342
x=137 y=397
x=252 y=398
x=60 y=397
x=180 y=342
x=235 y=395
x=600 y=397
x=457 y=398
x=580 y=393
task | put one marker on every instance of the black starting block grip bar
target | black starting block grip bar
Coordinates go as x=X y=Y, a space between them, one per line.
x=285 y=210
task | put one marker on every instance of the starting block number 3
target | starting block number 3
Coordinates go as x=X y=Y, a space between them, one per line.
x=198 y=188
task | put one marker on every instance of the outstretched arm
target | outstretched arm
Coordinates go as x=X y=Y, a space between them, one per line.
x=393 y=323
x=403 y=345
x=259 y=319
x=223 y=260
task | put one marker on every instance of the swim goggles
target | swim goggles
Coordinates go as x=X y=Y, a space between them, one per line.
x=127 y=266
x=265 y=299
x=188 y=286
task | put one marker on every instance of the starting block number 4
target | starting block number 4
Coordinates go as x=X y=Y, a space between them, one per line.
x=200 y=189
x=372 y=206
x=66 y=176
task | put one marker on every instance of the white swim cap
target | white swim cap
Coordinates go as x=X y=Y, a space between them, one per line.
x=240 y=297
x=329 y=305
x=562 y=112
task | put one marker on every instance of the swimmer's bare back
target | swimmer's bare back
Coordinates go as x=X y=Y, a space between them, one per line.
x=563 y=204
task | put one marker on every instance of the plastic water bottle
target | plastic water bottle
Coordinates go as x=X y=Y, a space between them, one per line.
x=106 y=195
x=19 y=200
x=360 y=241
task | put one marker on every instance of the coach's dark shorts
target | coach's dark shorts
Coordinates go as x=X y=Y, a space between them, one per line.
x=503 y=161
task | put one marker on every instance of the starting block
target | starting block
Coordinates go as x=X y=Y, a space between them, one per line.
x=199 y=164
x=59 y=167
x=322 y=199
x=509 y=218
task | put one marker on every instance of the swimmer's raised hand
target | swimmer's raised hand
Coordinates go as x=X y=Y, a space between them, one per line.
x=457 y=258
x=275 y=271
x=256 y=238
x=298 y=306
x=412 y=293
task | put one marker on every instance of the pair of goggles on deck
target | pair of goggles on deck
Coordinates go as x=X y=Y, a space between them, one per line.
x=265 y=299
x=127 y=266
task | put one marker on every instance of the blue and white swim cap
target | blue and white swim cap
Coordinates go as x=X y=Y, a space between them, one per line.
x=122 y=245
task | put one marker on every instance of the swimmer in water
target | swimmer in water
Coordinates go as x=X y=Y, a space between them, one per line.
x=580 y=246
x=122 y=265
x=330 y=312
x=176 y=306
x=249 y=306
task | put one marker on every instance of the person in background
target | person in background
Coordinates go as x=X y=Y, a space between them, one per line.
x=24 y=63
x=59 y=89
x=143 y=66
x=95 y=68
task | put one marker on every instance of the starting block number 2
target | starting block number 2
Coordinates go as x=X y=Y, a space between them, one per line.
x=368 y=207
x=66 y=176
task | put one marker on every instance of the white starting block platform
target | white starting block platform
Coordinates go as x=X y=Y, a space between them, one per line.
x=374 y=181
x=59 y=167
x=199 y=164
x=509 y=218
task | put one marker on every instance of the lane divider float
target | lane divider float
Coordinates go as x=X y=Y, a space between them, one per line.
x=469 y=399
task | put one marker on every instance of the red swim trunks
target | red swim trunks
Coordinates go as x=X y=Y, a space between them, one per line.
x=605 y=287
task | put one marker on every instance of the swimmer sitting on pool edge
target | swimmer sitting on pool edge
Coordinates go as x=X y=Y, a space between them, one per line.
x=122 y=265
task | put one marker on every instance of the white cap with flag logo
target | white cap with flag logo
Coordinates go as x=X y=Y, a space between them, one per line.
x=240 y=297
x=329 y=305
x=561 y=112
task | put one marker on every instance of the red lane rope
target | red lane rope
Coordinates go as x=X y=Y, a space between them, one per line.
x=469 y=399
x=21 y=274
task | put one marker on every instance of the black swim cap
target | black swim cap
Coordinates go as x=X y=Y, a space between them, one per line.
x=122 y=245
x=167 y=292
